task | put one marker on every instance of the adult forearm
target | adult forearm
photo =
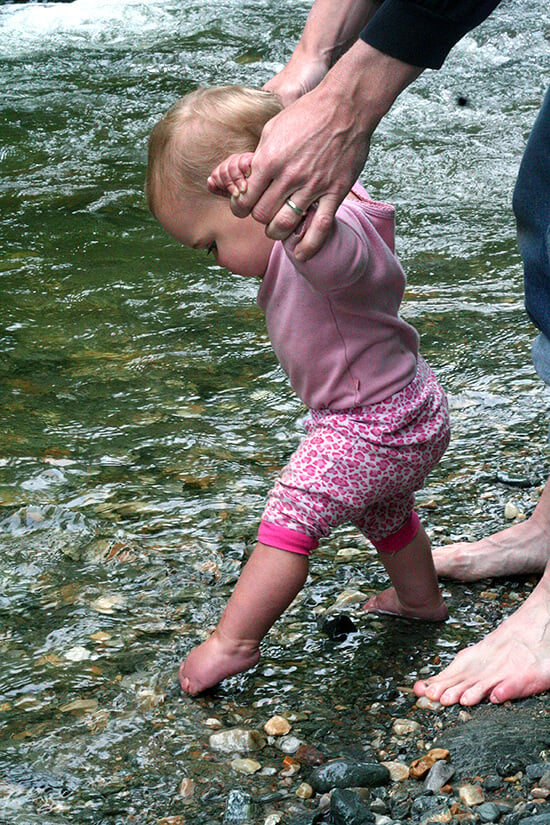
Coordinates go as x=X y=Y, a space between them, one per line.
x=367 y=82
x=332 y=27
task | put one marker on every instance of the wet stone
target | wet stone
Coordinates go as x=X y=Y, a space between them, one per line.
x=535 y=819
x=239 y=740
x=245 y=766
x=347 y=808
x=308 y=755
x=405 y=727
x=509 y=764
x=341 y=773
x=536 y=770
x=400 y=806
x=488 y=812
x=239 y=809
x=471 y=795
x=277 y=726
x=438 y=775
x=493 y=783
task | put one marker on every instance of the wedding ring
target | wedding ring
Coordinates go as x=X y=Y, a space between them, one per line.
x=295 y=207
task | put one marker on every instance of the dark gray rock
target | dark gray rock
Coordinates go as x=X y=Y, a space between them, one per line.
x=493 y=783
x=347 y=808
x=401 y=806
x=536 y=771
x=438 y=775
x=498 y=737
x=239 y=809
x=425 y=804
x=488 y=812
x=509 y=764
x=342 y=773
x=527 y=816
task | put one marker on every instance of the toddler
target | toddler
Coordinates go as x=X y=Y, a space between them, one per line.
x=378 y=419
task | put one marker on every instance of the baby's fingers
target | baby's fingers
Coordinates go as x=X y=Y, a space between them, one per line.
x=229 y=177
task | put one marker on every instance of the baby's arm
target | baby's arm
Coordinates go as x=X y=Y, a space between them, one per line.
x=342 y=259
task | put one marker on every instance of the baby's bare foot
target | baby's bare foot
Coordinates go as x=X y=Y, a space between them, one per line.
x=215 y=660
x=388 y=603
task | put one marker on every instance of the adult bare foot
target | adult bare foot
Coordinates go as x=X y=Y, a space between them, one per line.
x=520 y=549
x=512 y=662
x=215 y=660
x=387 y=603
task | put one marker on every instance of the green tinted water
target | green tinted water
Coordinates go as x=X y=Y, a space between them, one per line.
x=144 y=415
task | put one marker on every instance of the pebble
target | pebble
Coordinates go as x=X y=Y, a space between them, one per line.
x=420 y=767
x=308 y=755
x=341 y=773
x=290 y=744
x=347 y=808
x=511 y=511
x=438 y=775
x=488 y=812
x=78 y=654
x=239 y=809
x=405 y=727
x=239 y=740
x=277 y=726
x=304 y=791
x=399 y=772
x=84 y=705
x=471 y=795
x=424 y=703
x=246 y=766
x=186 y=788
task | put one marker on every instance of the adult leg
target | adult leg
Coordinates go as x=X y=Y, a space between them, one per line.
x=514 y=660
x=520 y=549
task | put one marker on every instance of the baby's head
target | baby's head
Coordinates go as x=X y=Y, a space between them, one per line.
x=193 y=137
x=198 y=132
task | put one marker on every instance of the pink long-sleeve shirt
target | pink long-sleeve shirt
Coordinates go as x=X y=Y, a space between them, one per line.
x=334 y=320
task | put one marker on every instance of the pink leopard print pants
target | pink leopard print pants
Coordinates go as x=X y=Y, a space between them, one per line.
x=360 y=466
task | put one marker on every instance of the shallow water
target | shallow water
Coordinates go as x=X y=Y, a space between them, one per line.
x=144 y=415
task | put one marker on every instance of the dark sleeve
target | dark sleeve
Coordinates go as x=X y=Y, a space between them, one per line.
x=422 y=32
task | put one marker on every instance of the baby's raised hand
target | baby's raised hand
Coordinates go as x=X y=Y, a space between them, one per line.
x=229 y=178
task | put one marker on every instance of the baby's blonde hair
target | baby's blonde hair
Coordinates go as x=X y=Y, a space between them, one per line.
x=198 y=132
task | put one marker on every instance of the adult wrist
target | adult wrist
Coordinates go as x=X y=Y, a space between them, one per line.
x=368 y=82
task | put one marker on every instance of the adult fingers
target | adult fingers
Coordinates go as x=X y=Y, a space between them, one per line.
x=319 y=228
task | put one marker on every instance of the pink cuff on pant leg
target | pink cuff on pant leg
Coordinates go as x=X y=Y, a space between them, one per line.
x=405 y=534
x=283 y=538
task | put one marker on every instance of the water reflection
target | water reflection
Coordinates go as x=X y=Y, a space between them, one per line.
x=144 y=414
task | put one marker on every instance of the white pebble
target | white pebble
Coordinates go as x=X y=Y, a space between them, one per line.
x=77 y=654
x=405 y=727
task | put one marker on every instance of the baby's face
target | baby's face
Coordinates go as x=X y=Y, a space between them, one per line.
x=238 y=244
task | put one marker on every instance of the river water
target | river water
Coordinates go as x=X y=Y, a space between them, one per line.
x=144 y=416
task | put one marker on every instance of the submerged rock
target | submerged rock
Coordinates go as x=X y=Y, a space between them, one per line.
x=342 y=773
x=438 y=775
x=239 y=810
x=347 y=808
x=236 y=740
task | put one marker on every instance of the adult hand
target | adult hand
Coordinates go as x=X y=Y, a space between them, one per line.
x=313 y=151
x=298 y=77
x=310 y=153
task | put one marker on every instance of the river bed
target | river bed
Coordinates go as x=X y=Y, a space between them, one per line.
x=144 y=415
